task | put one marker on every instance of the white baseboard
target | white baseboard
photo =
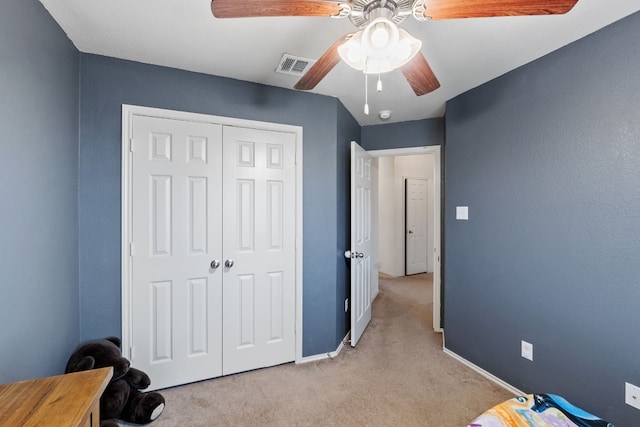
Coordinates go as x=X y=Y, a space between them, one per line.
x=484 y=373
x=323 y=356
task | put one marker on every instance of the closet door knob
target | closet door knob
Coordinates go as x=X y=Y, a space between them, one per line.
x=228 y=263
x=215 y=264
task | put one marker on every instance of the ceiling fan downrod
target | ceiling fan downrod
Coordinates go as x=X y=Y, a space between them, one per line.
x=380 y=12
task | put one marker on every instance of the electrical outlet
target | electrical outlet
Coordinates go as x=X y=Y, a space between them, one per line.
x=632 y=395
x=346 y=305
x=527 y=350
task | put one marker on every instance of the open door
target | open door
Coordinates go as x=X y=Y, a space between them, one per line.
x=361 y=253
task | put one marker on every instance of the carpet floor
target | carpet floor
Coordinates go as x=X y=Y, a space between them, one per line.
x=398 y=375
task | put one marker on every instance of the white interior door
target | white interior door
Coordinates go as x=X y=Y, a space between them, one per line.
x=259 y=249
x=361 y=241
x=176 y=221
x=416 y=209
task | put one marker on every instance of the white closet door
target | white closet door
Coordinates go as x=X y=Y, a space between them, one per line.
x=176 y=222
x=259 y=239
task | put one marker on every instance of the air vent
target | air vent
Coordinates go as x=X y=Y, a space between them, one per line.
x=293 y=65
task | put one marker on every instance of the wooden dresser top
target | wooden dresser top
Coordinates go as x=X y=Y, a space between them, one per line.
x=62 y=400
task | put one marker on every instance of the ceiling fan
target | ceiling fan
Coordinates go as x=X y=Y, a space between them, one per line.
x=379 y=46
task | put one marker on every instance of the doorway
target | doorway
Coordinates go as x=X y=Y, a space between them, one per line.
x=391 y=239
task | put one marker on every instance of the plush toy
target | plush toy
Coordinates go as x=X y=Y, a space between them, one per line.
x=122 y=399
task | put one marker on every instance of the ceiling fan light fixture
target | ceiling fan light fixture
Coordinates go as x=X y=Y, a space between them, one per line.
x=352 y=51
x=379 y=48
x=378 y=66
x=379 y=37
x=407 y=47
x=380 y=34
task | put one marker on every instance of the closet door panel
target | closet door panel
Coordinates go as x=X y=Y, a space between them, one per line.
x=176 y=297
x=259 y=237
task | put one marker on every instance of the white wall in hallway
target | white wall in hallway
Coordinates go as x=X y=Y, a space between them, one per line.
x=386 y=216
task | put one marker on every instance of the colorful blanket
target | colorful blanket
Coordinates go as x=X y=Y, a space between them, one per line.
x=537 y=410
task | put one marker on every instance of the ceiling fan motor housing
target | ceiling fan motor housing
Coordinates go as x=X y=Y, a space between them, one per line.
x=365 y=11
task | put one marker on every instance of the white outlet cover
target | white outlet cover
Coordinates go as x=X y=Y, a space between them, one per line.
x=527 y=350
x=632 y=395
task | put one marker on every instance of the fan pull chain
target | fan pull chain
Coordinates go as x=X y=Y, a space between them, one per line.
x=366 y=94
x=366 y=89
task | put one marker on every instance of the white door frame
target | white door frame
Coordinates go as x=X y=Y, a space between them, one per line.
x=128 y=111
x=437 y=224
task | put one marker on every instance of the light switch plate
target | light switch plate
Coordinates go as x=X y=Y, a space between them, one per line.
x=462 y=212
x=527 y=350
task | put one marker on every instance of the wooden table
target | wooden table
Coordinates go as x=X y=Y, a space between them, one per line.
x=66 y=400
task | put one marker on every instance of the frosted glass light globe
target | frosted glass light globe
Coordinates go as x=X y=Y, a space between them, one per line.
x=379 y=36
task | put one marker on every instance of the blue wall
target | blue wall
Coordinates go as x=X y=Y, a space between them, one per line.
x=107 y=83
x=548 y=160
x=38 y=190
x=416 y=133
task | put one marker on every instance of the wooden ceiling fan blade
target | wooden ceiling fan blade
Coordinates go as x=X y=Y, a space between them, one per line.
x=323 y=65
x=419 y=75
x=454 y=9
x=257 y=8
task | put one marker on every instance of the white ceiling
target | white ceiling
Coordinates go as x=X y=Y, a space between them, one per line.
x=463 y=53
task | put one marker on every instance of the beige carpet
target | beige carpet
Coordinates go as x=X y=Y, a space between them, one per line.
x=397 y=376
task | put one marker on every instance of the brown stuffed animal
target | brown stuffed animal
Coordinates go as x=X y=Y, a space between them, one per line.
x=122 y=399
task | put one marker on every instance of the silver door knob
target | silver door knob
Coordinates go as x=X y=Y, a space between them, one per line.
x=228 y=263
x=354 y=254
x=215 y=264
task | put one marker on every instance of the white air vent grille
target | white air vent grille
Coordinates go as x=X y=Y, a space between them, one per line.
x=294 y=65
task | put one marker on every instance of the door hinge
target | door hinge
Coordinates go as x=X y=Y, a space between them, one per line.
x=130 y=248
x=131 y=145
x=131 y=354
